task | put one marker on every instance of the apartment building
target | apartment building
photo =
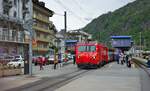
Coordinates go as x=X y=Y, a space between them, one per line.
x=44 y=30
x=13 y=38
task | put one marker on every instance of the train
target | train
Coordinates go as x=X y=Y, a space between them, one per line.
x=91 y=55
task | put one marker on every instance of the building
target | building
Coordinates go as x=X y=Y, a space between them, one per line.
x=74 y=36
x=78 y=35
x=13 y=38
x=44 y=30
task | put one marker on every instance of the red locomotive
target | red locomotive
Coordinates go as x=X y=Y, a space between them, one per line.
x=91 y=55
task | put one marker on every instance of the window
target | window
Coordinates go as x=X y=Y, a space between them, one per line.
x=15 y=2
x=87 y=48
x=92 y=48
x=82 y=49
x=15 y=14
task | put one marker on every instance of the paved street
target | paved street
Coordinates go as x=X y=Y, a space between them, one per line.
x=49 y=70
x=111 y=77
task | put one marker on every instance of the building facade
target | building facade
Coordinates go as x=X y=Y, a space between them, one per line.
x=44 y=30
x=74 y=36
x=13 y=38
x=78 y=35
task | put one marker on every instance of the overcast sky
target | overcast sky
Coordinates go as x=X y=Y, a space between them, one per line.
x=80 y=12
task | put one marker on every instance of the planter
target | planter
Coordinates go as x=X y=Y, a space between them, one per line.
x=11 y=72
x=1 y=73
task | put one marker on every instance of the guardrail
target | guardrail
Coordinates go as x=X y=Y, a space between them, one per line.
x=141 y=63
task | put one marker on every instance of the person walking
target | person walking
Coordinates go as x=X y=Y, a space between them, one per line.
x=41 y=63
x=117 y=58
x=121 y=55
x=74 y=59
x=55 y=61
x=127 y=59
x=148 y=61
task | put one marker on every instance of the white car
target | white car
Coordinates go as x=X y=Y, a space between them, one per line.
x=19 y=57
x=51 y=59
x=16 y=63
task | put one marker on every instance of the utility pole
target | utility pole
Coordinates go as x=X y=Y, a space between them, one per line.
x=30 y=41
x=65 y=27
x=140 y=43
x=65 y=21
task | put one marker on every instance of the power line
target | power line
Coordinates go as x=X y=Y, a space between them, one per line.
x=83 y=10
x=67 y=9
x=58 y=14
x=80 y=7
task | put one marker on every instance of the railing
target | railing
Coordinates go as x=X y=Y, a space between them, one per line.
x=40 y=49
x=41 y=19
x=142 y=63
x=43 y=39
x=7 y=38
x=41 y=29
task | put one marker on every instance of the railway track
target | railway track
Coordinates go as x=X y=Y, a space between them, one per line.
x=147 y=70
x=51 y=83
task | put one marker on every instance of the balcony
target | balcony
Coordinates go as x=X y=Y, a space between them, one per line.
x=43 y=39
x=41 y=29
x=42 y=19
x=40 y=49
x=14 y=39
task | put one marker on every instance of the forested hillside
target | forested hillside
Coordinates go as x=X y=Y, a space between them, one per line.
x=128 y=20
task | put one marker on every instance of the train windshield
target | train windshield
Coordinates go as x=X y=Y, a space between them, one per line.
x=87 y=48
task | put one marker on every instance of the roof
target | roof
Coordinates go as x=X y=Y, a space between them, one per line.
x=42 y=5
x=121 y=37
x=71 y=41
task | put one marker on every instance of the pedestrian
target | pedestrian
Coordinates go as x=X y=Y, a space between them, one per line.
x=74 y=59
x=129 y=61
x=121 y=55
x=148 y=62
x=117 y=58
x=126 y=59
x=55 y=61
x=41 y=63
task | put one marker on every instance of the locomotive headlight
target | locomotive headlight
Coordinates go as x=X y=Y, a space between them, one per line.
x=78 y=56
x=94 y=57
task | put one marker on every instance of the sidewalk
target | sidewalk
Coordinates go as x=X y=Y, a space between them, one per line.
x=111 y=77
x=16 y=81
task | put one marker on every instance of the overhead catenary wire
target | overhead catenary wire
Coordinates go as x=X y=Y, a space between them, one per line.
x=58 y=14
x=83 y=10
x=80 y=7
x=70 y=11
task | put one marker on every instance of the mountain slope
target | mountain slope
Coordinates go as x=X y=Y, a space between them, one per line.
x=128 y=20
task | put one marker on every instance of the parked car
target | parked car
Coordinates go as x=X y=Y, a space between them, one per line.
x=16 y=63
x=9 y=58
x=51 y=59
x=19 y=57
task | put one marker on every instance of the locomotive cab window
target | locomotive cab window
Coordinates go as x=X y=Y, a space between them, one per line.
x=92 y=48
x=87 y=49
x=82 y=48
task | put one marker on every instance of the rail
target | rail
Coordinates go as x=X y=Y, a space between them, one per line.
x=142 y=63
